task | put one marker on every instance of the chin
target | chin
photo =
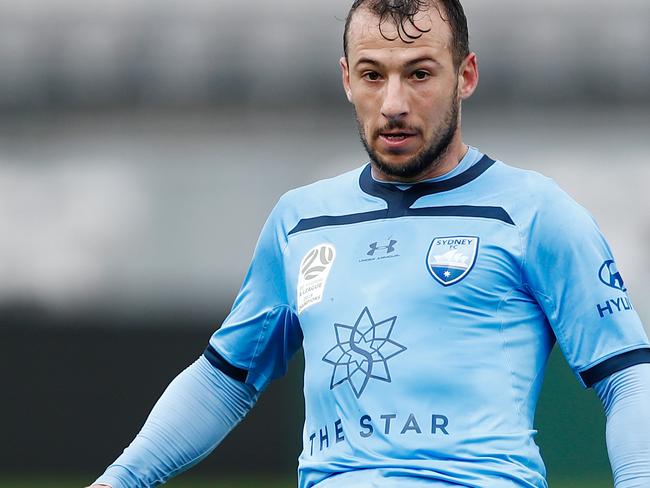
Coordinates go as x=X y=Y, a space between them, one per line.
x=399 y=159
x=402 y=161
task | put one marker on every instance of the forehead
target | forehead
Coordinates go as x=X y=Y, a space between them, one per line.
x=366 y=37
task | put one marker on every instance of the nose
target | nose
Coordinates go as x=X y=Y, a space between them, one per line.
x=395 y=104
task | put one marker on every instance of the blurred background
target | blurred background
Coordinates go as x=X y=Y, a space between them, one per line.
x=142 y=145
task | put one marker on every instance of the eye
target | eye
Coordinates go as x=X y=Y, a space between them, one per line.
x=420 y=75
x=371 y=76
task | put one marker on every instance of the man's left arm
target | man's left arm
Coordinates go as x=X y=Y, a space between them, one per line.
x=626 y=397
x=571 y=270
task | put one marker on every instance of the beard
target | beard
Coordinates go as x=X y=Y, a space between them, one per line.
x=428 y=158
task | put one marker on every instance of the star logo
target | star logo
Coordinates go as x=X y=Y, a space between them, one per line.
x=362 y=352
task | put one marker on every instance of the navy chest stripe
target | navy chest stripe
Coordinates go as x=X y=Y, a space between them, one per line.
x=493 y=213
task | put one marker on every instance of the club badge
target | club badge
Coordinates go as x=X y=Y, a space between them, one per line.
x=450 y=259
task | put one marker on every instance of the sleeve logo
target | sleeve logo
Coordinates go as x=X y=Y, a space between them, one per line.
x=314 y=269
x=610 y=276
x=450 y=259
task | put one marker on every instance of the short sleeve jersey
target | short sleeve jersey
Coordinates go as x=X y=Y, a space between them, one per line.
x=426 y=316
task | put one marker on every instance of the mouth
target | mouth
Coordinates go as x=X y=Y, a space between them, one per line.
x=396 y=138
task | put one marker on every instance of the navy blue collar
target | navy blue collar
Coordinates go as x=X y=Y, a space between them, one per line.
x=399 y=200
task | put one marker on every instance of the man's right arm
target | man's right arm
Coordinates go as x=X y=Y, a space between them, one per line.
x=190 y=419
x=251 y=348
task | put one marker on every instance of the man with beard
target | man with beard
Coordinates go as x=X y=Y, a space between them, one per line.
x=426 y=288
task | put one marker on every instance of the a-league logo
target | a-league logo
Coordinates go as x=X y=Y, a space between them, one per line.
x=314 y=269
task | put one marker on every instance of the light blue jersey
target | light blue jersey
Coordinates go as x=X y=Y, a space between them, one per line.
x=427 y=316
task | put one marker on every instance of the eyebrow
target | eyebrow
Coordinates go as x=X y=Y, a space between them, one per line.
x=412 y=62
x=422 y=59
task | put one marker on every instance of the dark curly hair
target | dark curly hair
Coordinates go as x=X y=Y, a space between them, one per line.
x=402 y=12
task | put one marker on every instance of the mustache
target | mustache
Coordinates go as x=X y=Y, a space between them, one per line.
x=395 y=124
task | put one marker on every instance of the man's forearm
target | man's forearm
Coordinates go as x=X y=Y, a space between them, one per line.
x=626 y=397
x=190 y=419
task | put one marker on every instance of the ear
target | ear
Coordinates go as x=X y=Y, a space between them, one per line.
x=468 y=76
x=345 y=74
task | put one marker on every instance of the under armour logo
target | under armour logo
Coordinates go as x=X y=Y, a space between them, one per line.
x=374 y=247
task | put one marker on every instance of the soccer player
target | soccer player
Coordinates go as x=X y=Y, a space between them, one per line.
x=426 y=289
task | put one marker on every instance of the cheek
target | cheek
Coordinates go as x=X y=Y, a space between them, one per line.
x=367 y=110
x=365 y=102
x=434 y=105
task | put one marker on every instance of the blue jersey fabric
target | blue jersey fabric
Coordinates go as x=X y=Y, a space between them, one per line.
x=203 y=404
x=626 y=397
x=426 y=317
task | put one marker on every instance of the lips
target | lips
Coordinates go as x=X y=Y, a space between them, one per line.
x=397 y=138
x=398 y=135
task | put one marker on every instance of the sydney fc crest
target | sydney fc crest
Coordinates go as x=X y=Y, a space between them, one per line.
x=450 y=259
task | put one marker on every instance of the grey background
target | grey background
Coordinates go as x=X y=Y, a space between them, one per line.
x=142 y=144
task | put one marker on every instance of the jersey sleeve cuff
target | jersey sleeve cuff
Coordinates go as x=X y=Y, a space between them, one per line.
x=222 y=364
x=615 y=364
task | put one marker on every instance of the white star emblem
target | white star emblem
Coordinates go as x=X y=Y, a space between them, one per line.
x=447 y=274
